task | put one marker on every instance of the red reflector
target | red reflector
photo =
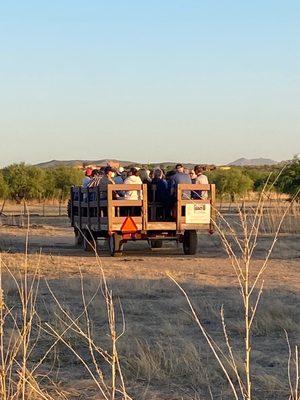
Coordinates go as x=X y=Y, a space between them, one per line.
x=129 y=225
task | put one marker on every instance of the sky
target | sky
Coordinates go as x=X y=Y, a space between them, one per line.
x=168 y=80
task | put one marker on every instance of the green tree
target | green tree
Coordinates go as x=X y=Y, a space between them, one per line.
x=289 y=180
x=259 y=176
x=63 y=178
x=231 y=182
x=50 y=190
x=3 y=187
x=24 y=181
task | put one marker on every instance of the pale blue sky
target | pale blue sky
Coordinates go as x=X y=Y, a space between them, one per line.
x=199 y=81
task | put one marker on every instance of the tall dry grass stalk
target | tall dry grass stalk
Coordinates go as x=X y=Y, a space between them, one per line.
x=293 y=370
x=104 y=366
x=21 y=329
x=240 y=241
x=273 y=216
x=19 y=335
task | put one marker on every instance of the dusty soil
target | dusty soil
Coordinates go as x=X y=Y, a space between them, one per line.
x=162 y=352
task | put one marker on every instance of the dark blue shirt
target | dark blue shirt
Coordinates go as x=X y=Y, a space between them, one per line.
x=161 y=194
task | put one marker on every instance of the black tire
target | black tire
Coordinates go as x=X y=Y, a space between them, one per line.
x=190 y=242
x=115 y=245
x=156 y=244
x=78 y=238
x=88 y=242
x=69 y=208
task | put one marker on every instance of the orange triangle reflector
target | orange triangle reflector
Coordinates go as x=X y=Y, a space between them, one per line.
x=129 y=226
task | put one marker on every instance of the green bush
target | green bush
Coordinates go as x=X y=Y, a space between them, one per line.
x=24 y=181
x=289 y=180
x=232 y=182
x=3 y=187
x=63 y=178
x=21 y=181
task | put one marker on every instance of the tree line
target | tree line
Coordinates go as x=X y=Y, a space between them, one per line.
x=21 y=181
x=238 y=181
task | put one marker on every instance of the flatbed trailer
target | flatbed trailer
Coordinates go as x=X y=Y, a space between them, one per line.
x=121 y=220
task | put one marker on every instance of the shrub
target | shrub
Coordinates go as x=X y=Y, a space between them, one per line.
x=231 y=182
x=289 y=180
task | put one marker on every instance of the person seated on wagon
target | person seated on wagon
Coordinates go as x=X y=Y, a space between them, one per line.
x=179 y=177
x=161 y=192
x=95 y=178
x=133 y=179
x=118 y=179
x=193 y=176
x=106 y=180
x=88 y=176
x=144 y=174
x=200 y=179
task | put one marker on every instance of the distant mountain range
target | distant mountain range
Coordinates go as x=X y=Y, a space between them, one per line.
x=80 y=163
x=252 y=162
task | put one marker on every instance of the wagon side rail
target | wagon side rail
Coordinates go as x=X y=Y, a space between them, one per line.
x=88 y=208
x=190 y=205
x=118 y=209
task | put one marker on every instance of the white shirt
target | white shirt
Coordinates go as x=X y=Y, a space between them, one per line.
x=133 y=194
x=202 y=180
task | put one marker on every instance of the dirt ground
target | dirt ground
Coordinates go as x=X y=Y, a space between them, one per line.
x=163 y=354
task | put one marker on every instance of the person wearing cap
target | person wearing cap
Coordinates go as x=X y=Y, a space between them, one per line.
x=95 y=178
x=118 y=178
x=106 y=180
x=88 y=176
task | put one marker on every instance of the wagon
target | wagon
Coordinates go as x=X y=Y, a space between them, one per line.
x=120 y=220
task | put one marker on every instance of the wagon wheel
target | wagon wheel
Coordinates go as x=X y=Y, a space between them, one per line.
x=69 y=208
x=190 y=242
x=115 y=244
x=78 y=238
x=88 y=241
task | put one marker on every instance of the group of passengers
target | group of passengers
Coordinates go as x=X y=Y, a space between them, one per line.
x=165 y=183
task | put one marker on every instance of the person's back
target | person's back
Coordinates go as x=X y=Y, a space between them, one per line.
x=180 y=177
x=133 y=179
x=96 y=178
x=118 y=180
x=161 y=192
x=88 y=177
x=106 y=180
x=201 y=179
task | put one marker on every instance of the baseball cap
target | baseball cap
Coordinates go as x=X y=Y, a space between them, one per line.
x=88 y=172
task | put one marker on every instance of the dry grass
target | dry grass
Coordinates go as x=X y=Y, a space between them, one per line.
x=161 y=352
x=273 y=216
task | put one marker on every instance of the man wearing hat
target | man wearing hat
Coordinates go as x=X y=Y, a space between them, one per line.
x=107 y=179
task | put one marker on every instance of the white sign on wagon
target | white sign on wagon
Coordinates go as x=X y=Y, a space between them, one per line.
x=197 y=213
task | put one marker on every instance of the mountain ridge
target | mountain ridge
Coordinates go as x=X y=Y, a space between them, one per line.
x=79 y=163
x=240 y=162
